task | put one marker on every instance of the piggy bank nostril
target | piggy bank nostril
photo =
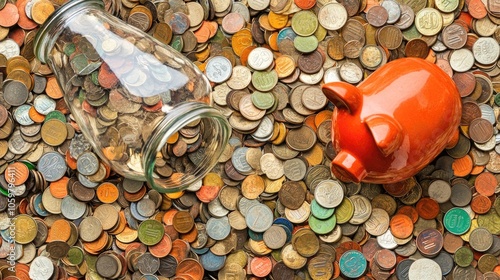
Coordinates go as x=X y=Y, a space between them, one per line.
x=348 y=166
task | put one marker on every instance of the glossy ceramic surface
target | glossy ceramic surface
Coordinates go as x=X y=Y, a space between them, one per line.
x=394 y=123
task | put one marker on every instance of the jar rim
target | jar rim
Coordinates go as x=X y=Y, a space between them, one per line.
x=40 y=45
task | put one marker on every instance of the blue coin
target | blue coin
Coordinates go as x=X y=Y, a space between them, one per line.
x=352 y=264
x=218 y=228
x=285 y=222
x=38 y=205
x=256 y=236
x=200 y=251
x=212 y=262
x=286 y=33
x=288 y=233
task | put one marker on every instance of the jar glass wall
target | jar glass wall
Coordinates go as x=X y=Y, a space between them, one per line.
x=143 y=106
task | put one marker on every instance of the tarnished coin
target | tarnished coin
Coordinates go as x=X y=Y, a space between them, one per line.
x=329 y=193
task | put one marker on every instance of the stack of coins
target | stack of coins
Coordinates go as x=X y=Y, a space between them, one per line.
x=270 y=209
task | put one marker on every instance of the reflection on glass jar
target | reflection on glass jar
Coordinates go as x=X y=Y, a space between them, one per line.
x=144 y=107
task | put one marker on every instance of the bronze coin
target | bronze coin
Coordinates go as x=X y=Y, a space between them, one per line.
x=480 y=130
x=183 y=222
x=465 y=82
x=292 y=195
x=470 y=111
x=417 y=48
x=310 y=63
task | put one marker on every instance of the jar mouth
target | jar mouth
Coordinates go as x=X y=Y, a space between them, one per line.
x=47 y=33
x=218 y=133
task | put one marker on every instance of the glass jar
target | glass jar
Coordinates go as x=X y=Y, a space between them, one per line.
x=136 y=100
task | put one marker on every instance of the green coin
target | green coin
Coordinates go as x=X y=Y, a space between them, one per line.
x=95 y=77
x=58 y=115
x=90 y=260
x=304 y=23
x=344 y=211
x=150 y=232
x=322 y=226
x=263 y=100
x=75 y=255
x=490 y=221
x=79 y=63
x=497 y=99
x=321 y=212
x=264 y=80
x=69 y=49
x=177 y=43
x=463 y=256
x=457 y=221
x=305 y=44
x=411 y=33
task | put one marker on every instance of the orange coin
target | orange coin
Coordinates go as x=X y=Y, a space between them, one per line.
x=95 y=246
x=322 y=116
x=305 y=4
x=486 y=183
x=203 y=34
x=168 y=217
x=35 y=116
x=52 y=88
x=59 y=188
x=401 y=226
x=71 y=162
x=190 y=267
x=309 y=121
x=106 y=77
x=207 y=193
x=480 y=204
x=427 y=208
x=60 y=230
x=462 y=166
x=162 y=249
x=477 y=169
x=16 y=173
x=409 y=211
x=180 y=249
x=273 y=41
x=477 y=9
x=261 y=266
x=9 y=15
x=191 y=236
x=277 y=21
x=107 y=192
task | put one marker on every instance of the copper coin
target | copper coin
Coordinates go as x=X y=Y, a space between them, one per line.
x=454 y=36
x=183 y=221
x=429 y=242
x=470 y=111
x=385 y=259
x=4 y=115
x=427 y=208
x=486 y=183
x=16 y=173
x=310 y=63
x=452 y=242
x=401 y=226
x=480 y=130
x=417 y=48
x=377 y=16
x=292 y=195
x=480 y=204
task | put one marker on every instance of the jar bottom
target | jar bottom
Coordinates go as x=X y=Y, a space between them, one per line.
x=214 y=136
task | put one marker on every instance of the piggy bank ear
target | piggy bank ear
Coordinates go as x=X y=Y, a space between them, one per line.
x=343 y=95
x=386 y=132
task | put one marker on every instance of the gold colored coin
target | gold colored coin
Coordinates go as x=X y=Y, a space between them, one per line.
x=41 y=10
x=26 y=229
x=54 y=132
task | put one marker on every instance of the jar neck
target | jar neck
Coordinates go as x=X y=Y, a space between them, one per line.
x=184 y=114
x=54 y=25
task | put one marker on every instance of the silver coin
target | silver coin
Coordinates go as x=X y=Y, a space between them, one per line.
x=486 y=50
x=362 y=209
x=351 y=73
x=271 y=166
x=216 y=209
x=9 y=48
x=487 y=113
x=21 y=115
x=393 y=10
x=44 y=104
x=218 y=69
x=15 y=93
x=329 y=193
x=264 y=131
x=52 y=166
x=41 y=268
x=387 y=241
x=146 y=207
x=72 y=209
x=87 y=164
x=461 y=60
x=260 y=58
x=295 y=169
x=86 y=181
x=244 y=204
x=259 y=218
x=17 y=145
x=425 y=269
x=239 y=161
x=218 y=228
x=132 y=186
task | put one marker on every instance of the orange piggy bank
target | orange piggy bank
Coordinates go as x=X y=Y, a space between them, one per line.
x=393 y=123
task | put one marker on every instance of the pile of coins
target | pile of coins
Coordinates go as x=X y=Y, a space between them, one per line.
x=270 y=208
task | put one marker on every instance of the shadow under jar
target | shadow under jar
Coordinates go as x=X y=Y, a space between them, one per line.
x=133 y=97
